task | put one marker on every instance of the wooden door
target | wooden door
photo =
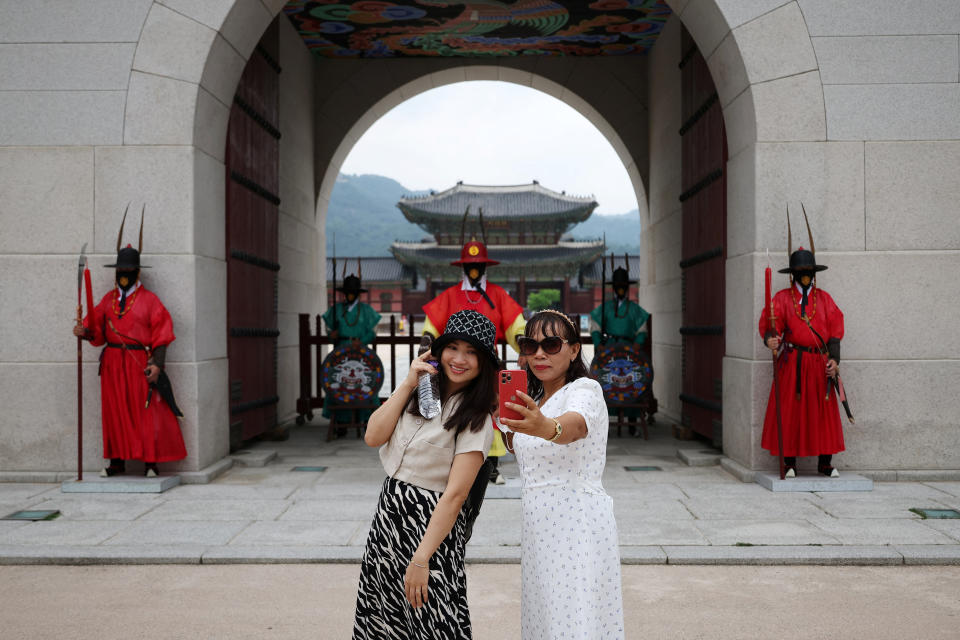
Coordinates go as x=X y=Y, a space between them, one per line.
x=703 y=252
x=252 y=176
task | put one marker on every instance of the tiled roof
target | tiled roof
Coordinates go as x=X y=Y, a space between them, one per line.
x=499 y=202
x=506 y=255
x=378 y=269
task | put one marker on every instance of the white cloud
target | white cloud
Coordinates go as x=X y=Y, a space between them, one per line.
x=493 y=133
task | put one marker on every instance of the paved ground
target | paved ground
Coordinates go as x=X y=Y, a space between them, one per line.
x=280 y=602
x=679 y=514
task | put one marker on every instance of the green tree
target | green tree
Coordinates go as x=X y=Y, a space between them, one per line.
x=543 y=299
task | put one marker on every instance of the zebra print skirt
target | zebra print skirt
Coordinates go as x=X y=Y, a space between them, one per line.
x=383 y=612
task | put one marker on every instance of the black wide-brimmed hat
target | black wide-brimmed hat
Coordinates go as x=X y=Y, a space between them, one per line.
x=128 y=259
x=621 y=278
x=803 y=260
x=475 y=328
x=351 y=284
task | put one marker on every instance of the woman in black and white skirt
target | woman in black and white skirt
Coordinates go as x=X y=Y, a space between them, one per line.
x=412 y=579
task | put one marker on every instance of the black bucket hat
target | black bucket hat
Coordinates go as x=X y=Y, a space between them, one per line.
x=475 y=328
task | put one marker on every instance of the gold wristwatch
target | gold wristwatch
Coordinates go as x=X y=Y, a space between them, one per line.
x=559 y=430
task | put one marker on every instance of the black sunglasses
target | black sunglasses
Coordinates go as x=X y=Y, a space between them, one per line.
x=551 y=345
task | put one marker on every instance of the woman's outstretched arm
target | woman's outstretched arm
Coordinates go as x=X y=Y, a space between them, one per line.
x=384 y=420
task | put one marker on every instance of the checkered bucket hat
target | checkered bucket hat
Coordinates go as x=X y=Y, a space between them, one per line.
x=475 y=328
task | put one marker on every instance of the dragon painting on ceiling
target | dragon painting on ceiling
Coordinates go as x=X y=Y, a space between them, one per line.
x=477 y=28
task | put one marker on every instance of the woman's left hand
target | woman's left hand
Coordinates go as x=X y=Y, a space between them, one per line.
x=415 y=584
x=533 y=423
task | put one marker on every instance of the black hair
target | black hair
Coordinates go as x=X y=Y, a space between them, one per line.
x=477 y=401
x=555 y=324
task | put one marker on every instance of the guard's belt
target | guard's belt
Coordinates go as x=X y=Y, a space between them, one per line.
x=123 y=345
x=800 y=351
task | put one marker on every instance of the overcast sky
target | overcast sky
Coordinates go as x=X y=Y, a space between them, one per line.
x=493 y=133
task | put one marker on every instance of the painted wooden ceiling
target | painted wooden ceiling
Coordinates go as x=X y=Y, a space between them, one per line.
x=477 y=28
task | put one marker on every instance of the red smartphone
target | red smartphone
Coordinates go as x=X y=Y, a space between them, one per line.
x=511 y=381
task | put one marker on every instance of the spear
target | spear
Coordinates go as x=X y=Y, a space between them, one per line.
x=334 y=305
x=768 y=304
x=81 y=269
x=603 y=291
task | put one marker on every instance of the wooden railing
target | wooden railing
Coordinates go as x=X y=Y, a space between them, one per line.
x=312 y=339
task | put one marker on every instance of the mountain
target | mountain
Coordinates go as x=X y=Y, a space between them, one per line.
x=364 y=216
x=623 y=231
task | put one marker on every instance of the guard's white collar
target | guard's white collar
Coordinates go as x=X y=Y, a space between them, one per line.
x=466 y=286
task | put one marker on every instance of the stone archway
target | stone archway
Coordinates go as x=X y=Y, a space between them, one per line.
x=188 y=61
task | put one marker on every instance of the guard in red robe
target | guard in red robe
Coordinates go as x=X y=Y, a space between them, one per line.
x=139 y=412
x=809 y=327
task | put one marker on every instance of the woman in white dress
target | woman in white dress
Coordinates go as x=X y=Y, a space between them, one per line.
x=570 y=560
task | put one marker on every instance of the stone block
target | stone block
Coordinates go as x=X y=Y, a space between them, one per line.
x=764 y=507
x=881 y=532
x=763 y=532
x=210 y=125
x=216 y=510
x=893 y=111
x=48 y=21
x=743 y=275
x=827 y=177
x=61 y=118
x=912 y=193
x=222 y=70
x=929 y=554
x=209 y=12
x=263 y=554
x=296 y=533
x=746 y=388
x=159 y=111
x=790 y=109
x=101 y=506
x=209 y=317
x=879 y=17
x=727 y=70
x=172 y=45
x=213 y=418
x=62 y=532
x=738 y=12
x=706 y=23
x=100 y=555
x=209 y=207
x=66 y=67
x=39 y=431
x=159 y=178
x=741 y=201
x=666 y=382
x=699 y=457
x=650 y=531
x=254 y=458
x=121 y=484
x=887 y=59
x=775 y=45
x=740 y=122
x=47 y=200
x=244 y=25
x=809 y=483
x=144 y=533
x=784 y=555
x=907 y=402
x=919 y=285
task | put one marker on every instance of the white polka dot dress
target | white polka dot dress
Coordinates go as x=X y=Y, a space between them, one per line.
x=570 y=555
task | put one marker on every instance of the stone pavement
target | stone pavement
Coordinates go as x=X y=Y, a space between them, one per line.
x=690 y=511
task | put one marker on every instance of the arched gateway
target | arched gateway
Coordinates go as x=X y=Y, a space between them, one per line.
x=791 y=134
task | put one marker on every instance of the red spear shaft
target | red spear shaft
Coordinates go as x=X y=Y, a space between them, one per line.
x=81 y=269
x=768 y=303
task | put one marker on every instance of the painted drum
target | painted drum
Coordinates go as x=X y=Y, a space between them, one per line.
x=352 y=375
x=623 y=372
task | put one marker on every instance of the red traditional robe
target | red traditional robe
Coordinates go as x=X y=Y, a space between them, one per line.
x=132 y=431
x=811 y=425
x=456 y=299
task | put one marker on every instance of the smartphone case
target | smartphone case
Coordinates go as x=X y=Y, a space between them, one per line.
x=511 y=381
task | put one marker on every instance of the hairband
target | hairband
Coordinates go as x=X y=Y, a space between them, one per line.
x=562 y=315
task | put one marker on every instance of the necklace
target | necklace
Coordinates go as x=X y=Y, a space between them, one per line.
x=466 y=294
x=129 y=305
x=811 y=302
x=356 y=317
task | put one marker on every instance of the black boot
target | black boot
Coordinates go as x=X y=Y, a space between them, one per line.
x=790 y=466
x=117 y=466
x=825 y=468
